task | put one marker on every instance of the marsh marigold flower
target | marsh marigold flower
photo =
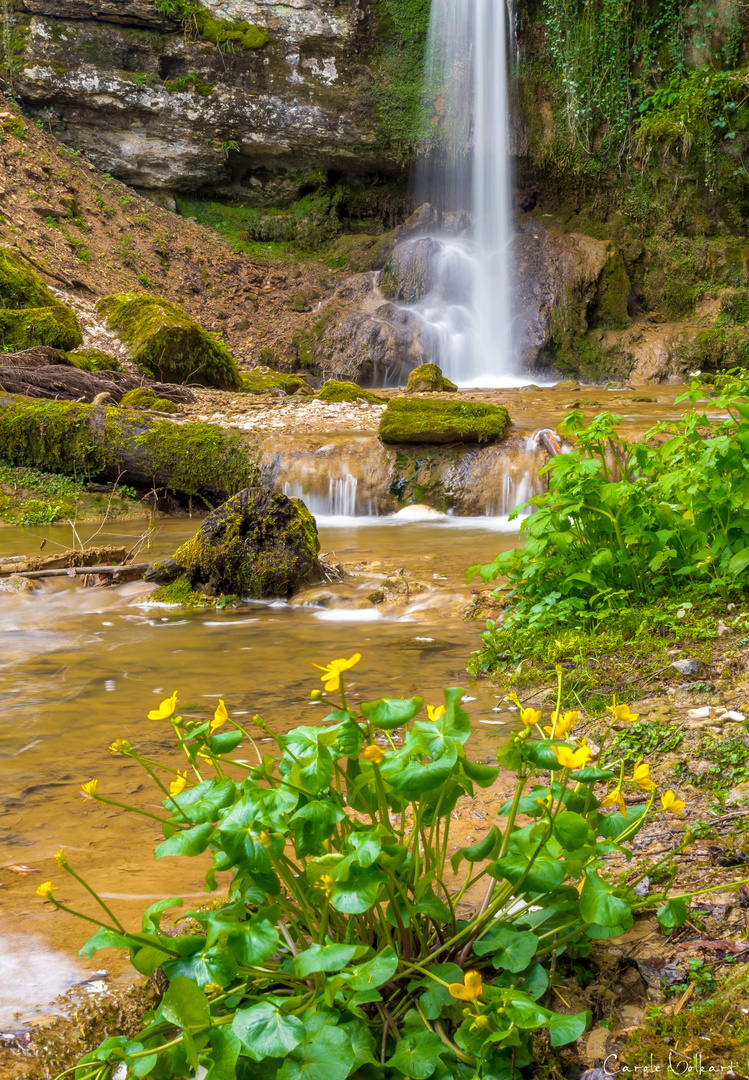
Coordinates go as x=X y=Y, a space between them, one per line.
x=372 y=753
x=671 y=804
x=45 y=890
x=120 y=746
x=264 y=839
x=178 y=784
x=220 y=716
x=331 y=677
x=562 y=725
x=615 y=798
x=621 y=712
x=569 y=758
x=435 y=712
x=470 y=989
x=89 y=789
x=530 y=717
x=165 y=709
x=324 y=884
x=641 y=776
x=60 y=859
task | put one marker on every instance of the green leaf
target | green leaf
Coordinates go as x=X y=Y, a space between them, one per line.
x=739 y=562
x=358 y=892
x=437 y=996
x=488 y=848
x=225 y=1047
x=571 y=830
x=151 y=922
x=106 y=939
x=483 y=775
x=326 y=1054
x=390 y=713
x=213 y=965
x=599 y=905
x=610 y=826
x=417 y=1056
x=255 y=941
x=362 y=1043
x=673 y=913
x=590 y=773
x=203 y=802
x=375 y=972
x=510 y=756
x=513 y=949
x=265 y=1032
x=524 y=1012
x=188 y=842
x=420 y=776
x=565 y=1029
x=225 y=741
x=544 y=874
x=185 y=1005
x=323 y=958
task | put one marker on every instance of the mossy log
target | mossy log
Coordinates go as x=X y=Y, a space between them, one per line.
x=48 y=373
x=88 y=441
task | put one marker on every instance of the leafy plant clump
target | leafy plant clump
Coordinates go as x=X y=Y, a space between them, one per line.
x=420 y=420
x=346 y=945
x=625 y=523
x=728 y=763
x=166 y=343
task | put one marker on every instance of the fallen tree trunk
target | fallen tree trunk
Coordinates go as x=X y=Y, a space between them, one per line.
x=88 y=441
x=47 y=373
x=62 y=561
x=131 y=572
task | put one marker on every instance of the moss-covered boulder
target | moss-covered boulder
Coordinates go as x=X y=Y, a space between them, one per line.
x=337 y=390
x=428 y=379
x=264 y=380
x=258 y=544
x=30 y=313
x=145 y=398
x=166 y=344
x=95 y=360
x=420 y=421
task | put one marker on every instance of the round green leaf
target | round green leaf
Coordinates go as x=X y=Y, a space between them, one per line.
x=265 y=1032
x=389 y=713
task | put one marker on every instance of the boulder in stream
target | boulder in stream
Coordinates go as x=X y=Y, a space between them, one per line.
x=258 y=544
x=421 y=421
x=428 y=379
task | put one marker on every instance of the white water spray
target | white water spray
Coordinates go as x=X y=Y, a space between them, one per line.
x=469 y=309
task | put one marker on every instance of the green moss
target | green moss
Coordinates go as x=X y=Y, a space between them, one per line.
x=424 y=421
x=198 y=457
x=164 y=341
x=713 y=350
x=95 y=360
x=263 y=380
x=30 y=313
x=734 y=308
x=428 y=378
x=179 y=592
x=30 y=497
x=302 y=342
x=403 y=28
x=613 y=290
x=334 y=390
x=50 y=435
x=222 y=31
x=144 y=397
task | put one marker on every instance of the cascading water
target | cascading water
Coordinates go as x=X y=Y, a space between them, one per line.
x=468 y=309
x=339 y=501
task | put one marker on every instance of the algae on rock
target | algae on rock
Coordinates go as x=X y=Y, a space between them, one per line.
x=258 y=544
x=420 y=421
x=30 y=313
x=166 y=344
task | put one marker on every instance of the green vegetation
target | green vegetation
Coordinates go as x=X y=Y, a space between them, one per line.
x=179 y=592
x=190 y=459
x=728 y=762
x=624 y=524
x=410 y=420
x=428 y=378
x=50 y=435
x=347 y=946
x=30 y=313
x=166 y=343
x=95 y=360
x=404 y=25
x=225 y=33
x=29 y=497
x=145 y=398
x=335 y=390
x=264 y=380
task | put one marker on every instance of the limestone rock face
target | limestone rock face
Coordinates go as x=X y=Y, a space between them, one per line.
x=258 y=544
x=162 y=109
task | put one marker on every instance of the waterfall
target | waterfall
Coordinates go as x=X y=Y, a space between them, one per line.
x=339 y=501
x=468 y=309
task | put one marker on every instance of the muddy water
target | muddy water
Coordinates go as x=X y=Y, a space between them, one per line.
x=81 y=667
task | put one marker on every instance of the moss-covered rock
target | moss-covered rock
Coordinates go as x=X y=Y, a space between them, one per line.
x=264 y=380
x=179 y=592
x=258 y=544
x=30 y=313
x=95 y=360
x=428 y=378
x=166 y=343
x=144 y=397
x=336 y=390
x=419 y=421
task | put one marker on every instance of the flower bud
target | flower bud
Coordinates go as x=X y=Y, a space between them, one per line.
x=316 y=695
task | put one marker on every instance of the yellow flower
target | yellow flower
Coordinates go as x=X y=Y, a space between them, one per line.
x=580 y=886
x=621 y=712
x=615 y=798
x=165 y=709
x=179 y=784
x=641 y=776
x=212 y=988
x=372 y=753
x=220 y=716
x=89 y=789
x=672 y=804
x=324 y=884
x=564 y=724
x=60 y=859
x=478 y=1021
x=571 y=759
x=434 y=712
x=264 y=838
x=333 y=671
x=529 y=717
x=120 y=746
x=46 y=890
x=470 y=989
